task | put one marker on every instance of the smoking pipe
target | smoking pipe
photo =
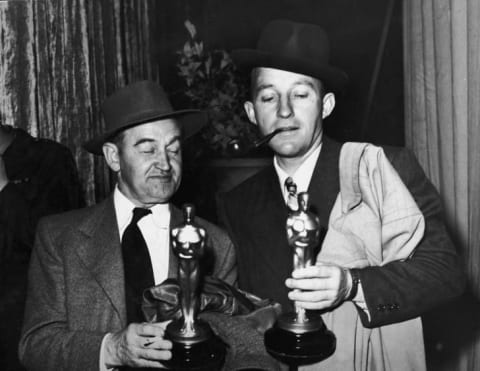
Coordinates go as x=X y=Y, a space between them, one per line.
x=237 y=146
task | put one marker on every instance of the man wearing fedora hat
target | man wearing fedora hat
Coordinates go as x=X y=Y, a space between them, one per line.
x=293 y=88
x=90 y=266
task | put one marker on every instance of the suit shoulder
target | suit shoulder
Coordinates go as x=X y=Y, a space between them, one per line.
x=68 y=219
x=250 y=185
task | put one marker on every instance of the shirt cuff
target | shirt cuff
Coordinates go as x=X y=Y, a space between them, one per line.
x=359 y=300
x=104 y=356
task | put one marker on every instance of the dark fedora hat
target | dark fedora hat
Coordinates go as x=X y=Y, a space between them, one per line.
x=295 y=47
x=139 y=103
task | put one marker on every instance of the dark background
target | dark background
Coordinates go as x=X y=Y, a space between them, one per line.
x=365 y=40
x=355 y=29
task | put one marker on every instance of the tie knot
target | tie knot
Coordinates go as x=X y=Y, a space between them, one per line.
x=139 y=213
x=291 y=186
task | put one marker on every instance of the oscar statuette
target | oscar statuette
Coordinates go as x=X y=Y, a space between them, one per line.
x=301 y=337
x=195 y=346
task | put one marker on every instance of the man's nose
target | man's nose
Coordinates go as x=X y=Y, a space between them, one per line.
x=163 y=161
x=284 y=107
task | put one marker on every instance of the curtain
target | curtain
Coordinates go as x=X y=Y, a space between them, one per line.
x=442 y=108
x=60 y=59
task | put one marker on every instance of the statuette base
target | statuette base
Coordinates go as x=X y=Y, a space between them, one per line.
x=299 y=344
x=204 y=352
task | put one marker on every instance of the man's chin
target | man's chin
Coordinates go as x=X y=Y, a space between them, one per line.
x=156 y=200
x=286 y=151
x=160 y=195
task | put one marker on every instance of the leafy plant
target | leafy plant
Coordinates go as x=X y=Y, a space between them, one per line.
x=212 y=83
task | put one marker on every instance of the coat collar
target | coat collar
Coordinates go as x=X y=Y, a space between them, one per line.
x=100 y=250
x=323 y=188
x=324 y=185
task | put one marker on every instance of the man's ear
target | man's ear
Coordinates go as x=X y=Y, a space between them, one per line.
x=111 y=154
x=328 y=104
x=250 y=112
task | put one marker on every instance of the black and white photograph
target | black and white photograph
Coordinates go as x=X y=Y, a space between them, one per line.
x=238 y=185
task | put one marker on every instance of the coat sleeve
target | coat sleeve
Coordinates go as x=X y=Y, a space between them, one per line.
x=432 y=275
x=46 y=341
x=225 y=266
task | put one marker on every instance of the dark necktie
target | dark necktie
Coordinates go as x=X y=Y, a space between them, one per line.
x=137 y=266
x=292 y=201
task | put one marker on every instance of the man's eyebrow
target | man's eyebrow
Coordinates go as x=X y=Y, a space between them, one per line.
x=262 y=87
x=143 y=140
x=174 y=139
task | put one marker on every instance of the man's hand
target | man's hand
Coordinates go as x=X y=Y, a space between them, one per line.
x=3 y=174
x=321 y=286
x=139 y=345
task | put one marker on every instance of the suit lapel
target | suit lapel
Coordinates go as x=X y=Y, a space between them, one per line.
x=261 y=213
x=268 y=253
x=101 y=253
x=325 y=185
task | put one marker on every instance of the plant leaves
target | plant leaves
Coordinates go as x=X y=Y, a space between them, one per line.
x=192 y=30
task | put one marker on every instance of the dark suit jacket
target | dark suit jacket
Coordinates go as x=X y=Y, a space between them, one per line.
x=76 y=286
x=255 y=213
x=43 y=180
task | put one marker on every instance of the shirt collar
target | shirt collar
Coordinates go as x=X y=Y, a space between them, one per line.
x=124 y=208
x=302 y=175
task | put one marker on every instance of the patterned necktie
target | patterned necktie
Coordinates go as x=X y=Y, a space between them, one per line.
x=137 y=266
x=292 y=201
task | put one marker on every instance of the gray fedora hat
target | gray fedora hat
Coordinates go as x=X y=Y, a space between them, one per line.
x=139 y=103
x=296 y=47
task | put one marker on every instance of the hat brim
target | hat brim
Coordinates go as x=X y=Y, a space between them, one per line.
x=191 y=121
x=334 y=78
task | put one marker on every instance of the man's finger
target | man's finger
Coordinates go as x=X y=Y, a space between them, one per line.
x=314 y=305
x=149 y=329
x=155 y=354
x=162 y=325
x=149 y=364
x=313 y=271
x=311 y=296
x=310 y=284
x=157 y=343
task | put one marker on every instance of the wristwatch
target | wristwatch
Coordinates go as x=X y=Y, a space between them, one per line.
x=355 y=281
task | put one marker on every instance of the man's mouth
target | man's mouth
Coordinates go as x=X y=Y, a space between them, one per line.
x=287 y=130
x=270 y=135
x=162 y=178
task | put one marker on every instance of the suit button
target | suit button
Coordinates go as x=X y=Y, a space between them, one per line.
x=381 y=307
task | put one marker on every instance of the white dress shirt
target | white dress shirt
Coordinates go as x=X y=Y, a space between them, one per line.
x=302 y=175
x=155 y=228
